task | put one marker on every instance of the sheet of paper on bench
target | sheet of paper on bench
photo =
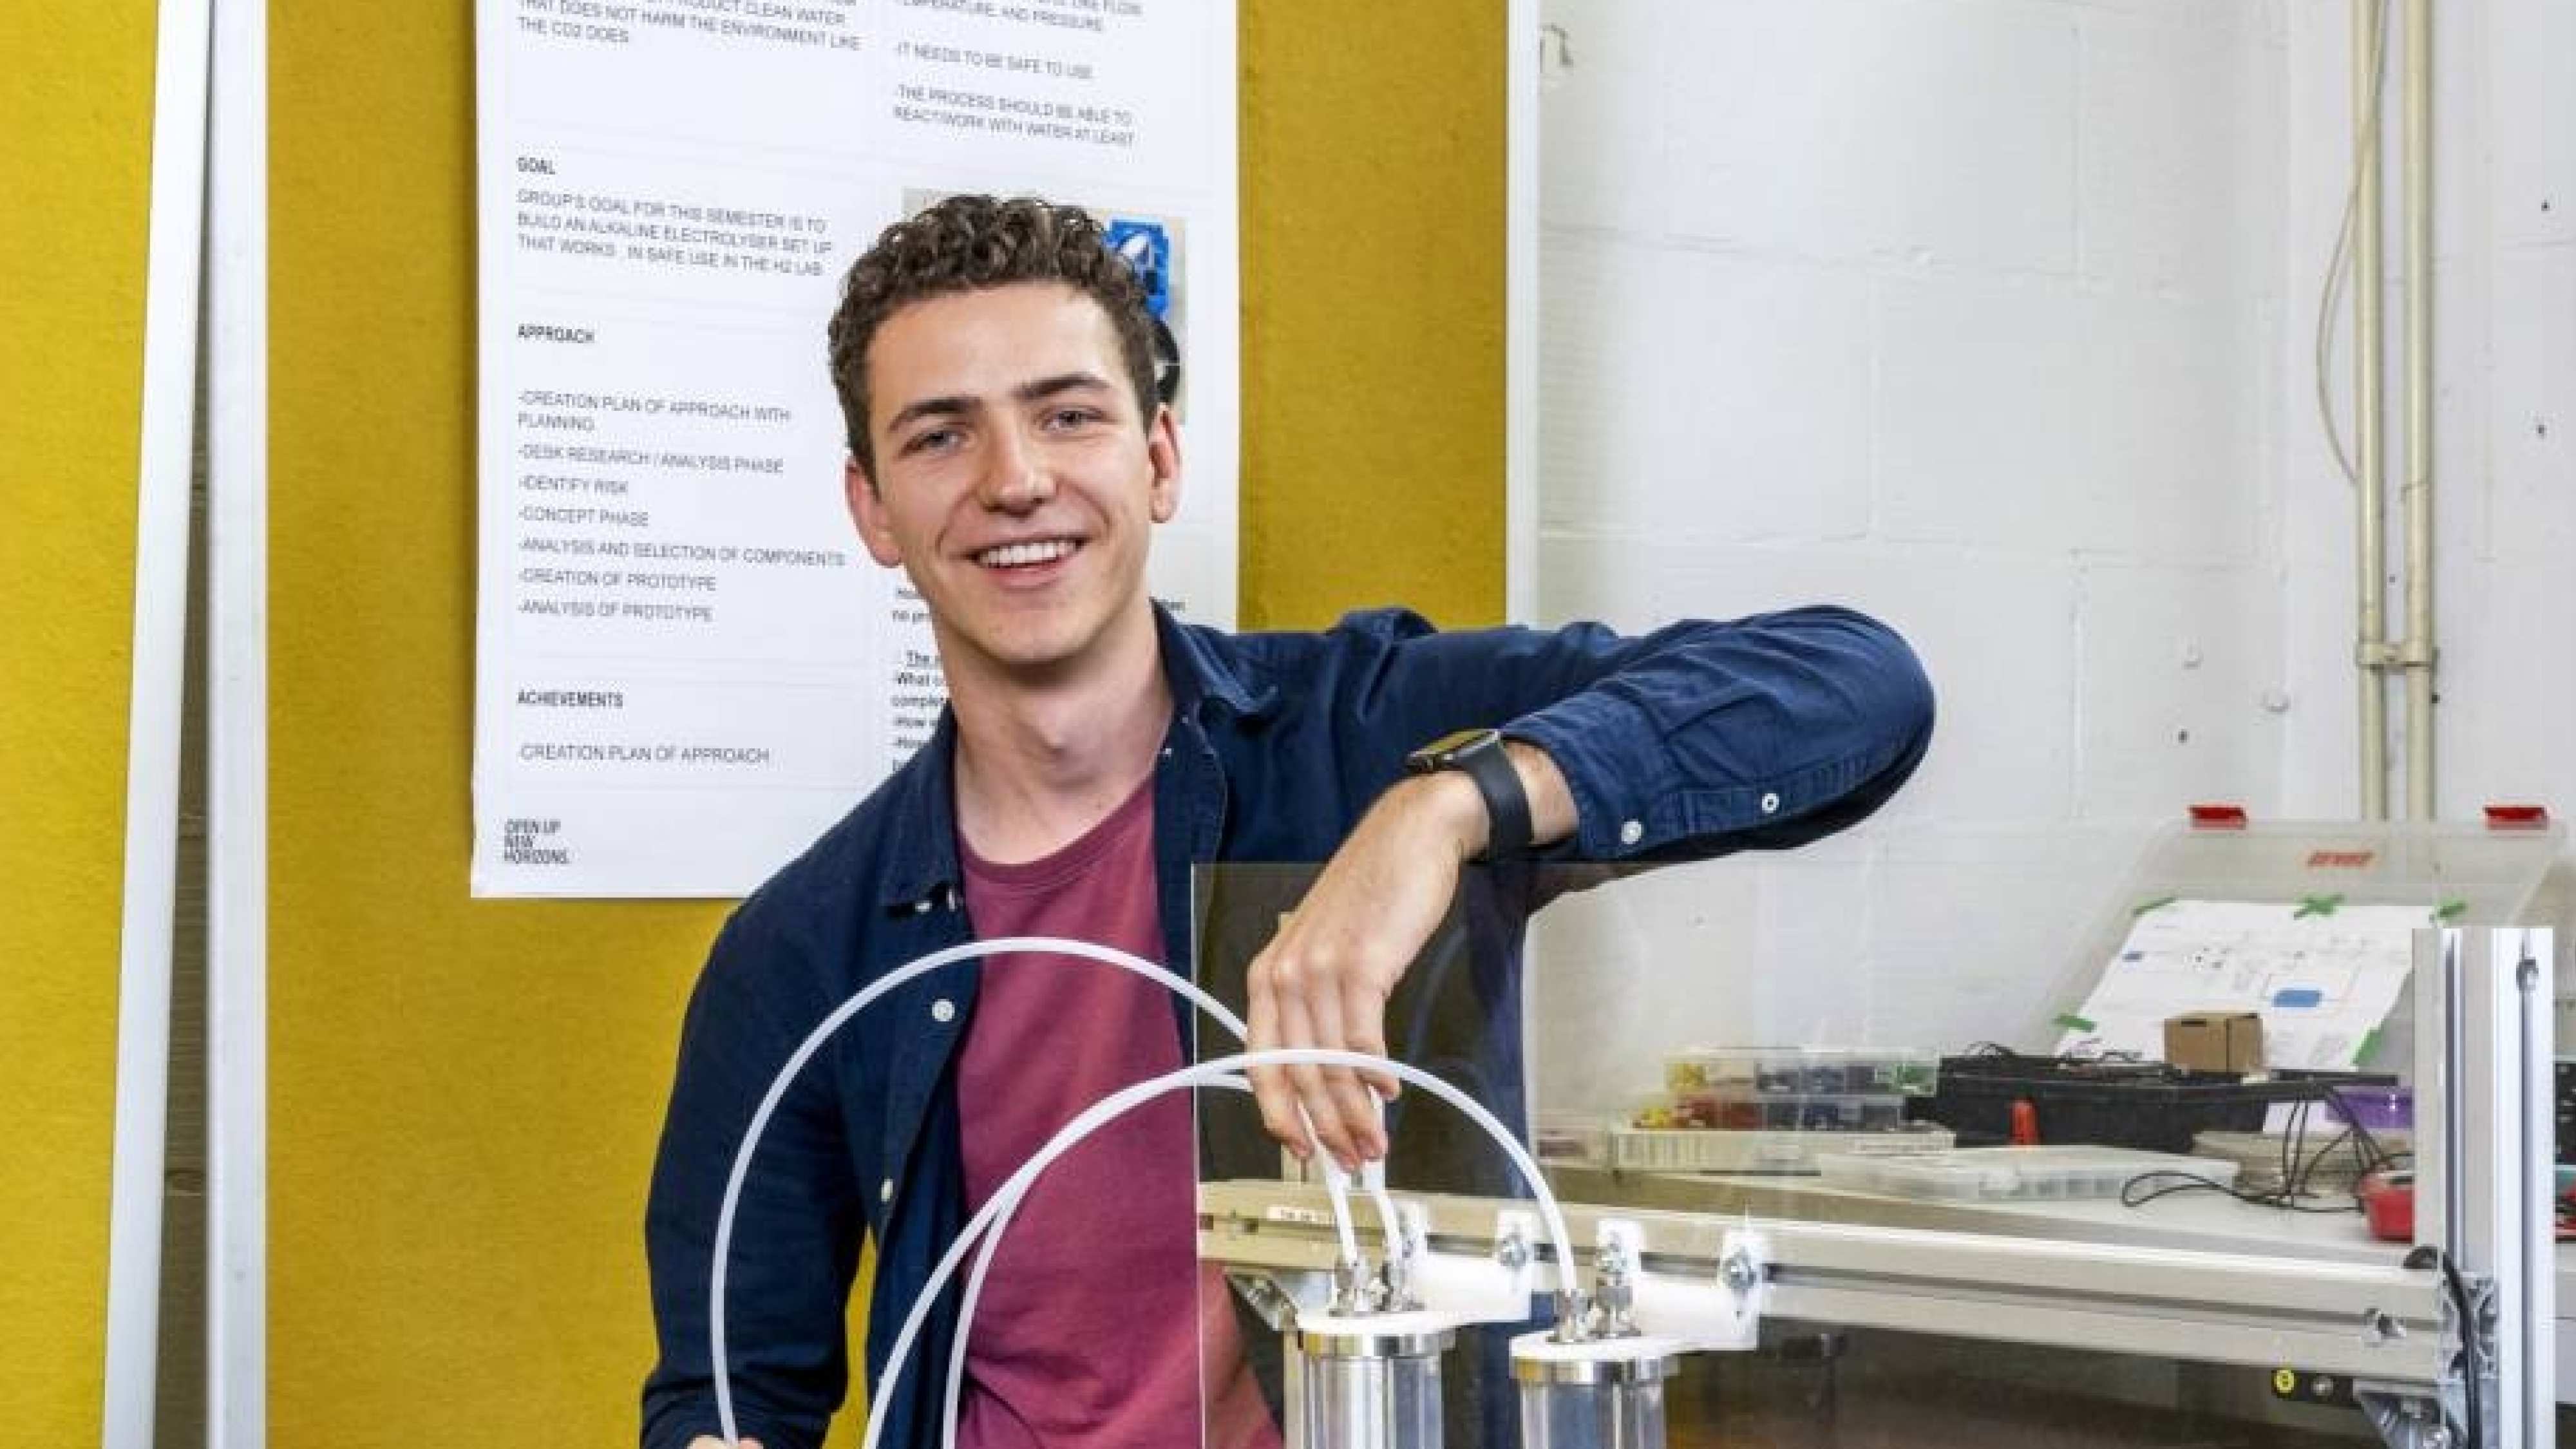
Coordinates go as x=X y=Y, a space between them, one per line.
x=2323 y=982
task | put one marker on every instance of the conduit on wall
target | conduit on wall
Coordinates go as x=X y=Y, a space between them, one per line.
x=2411 y=655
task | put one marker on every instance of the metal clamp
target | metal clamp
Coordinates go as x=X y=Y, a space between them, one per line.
x=1614 y=1281
x=2409 y=1418
x=2394 y=656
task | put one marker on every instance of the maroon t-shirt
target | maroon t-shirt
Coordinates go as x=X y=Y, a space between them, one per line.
x=1098 y=1325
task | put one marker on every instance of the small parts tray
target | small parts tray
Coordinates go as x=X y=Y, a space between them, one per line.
x=1636 y=1149
x=2012 y=1174
x=1737 y=1110
x=1773 y=1071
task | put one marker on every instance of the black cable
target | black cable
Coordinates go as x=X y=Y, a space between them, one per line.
x=2294 y=1134
x=2472 y=1369
x=2183 y=1182
x=2297 y=1186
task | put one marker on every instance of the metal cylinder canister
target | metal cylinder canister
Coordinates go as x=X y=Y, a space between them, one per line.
x=1599 y=1394
x=1370 y=1381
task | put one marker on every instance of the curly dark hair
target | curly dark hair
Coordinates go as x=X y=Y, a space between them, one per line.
x=969 y=243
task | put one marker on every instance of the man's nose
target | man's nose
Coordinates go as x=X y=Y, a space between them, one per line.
x=1017 y=479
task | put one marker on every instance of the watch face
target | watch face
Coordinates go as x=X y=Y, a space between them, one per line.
x=1449 y=747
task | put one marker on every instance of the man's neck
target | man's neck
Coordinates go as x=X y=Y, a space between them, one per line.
x=1039 y=763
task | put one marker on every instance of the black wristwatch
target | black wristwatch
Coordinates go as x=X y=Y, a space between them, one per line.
x=1479 y=754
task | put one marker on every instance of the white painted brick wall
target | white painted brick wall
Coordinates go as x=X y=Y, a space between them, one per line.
x=1996 y=318
x=1731 y=395
x=1967 y=313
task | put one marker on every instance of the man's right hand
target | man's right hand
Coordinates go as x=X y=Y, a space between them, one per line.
x=710 y=1441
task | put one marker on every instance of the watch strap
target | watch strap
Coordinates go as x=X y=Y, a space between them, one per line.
x=1480 y=756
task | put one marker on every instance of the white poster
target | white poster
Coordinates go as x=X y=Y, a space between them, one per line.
x=686 y=666
x=2323 y=976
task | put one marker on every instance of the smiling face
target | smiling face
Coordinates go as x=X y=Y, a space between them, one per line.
x=1017 y=479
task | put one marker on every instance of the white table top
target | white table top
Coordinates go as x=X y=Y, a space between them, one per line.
x=2206 y=1221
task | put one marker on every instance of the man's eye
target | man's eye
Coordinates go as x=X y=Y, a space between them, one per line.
x=934 y=438
x=1063 y=418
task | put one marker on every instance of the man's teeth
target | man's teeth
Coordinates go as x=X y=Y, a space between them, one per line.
x=1012 y=555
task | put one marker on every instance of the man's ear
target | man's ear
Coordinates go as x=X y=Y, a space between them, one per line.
x=1163 y=451
x=868 y=511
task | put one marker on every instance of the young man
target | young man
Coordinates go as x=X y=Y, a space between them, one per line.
x=1009 y=451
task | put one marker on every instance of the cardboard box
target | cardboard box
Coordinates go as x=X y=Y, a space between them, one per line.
x=2215 y=1041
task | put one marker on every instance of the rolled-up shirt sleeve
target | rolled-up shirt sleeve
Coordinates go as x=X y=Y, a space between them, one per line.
x=1698 y=739
x=1763 y=732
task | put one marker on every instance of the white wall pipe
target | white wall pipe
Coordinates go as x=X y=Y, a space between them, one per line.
x=237 y=736
x=2416 y=653
x=174 y=251
x=2369 y=281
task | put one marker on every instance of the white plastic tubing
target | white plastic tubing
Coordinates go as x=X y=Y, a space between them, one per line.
x=995 y=1219
x=1336 y=1182
x=1014 y=1193
x=1222 y=1070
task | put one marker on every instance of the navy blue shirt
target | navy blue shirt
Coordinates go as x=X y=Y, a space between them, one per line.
x=1692 y=741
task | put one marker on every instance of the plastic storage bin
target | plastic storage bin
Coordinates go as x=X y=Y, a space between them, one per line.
x=1571 y=1139
x=1738 y=1109
x=1773 y=1071
x=2012 y=1174
x=1640 y=1149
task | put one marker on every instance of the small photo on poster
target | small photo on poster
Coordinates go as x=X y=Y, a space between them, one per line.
x=1153 y=245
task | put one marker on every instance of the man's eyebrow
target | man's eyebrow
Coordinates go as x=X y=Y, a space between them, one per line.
x=954 y=405
x=1043 y=388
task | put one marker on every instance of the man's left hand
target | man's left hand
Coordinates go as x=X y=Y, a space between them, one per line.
x=1325 y=979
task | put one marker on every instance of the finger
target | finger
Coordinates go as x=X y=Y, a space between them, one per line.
x=1270 y=1088
x=1297 y=1029
x=1353 y=1103
x=1364 y=1027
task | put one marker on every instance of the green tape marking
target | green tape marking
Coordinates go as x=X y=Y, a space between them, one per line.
x=2450 y=910
x=2315 y=906
x=2369 y=1039
x=2157 y=904
x=2072 y=1022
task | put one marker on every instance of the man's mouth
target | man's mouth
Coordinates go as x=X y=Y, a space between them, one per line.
x=1023 y=555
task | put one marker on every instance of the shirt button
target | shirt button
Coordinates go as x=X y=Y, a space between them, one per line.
x=885 y=1190
x=921 y=907
x=1631 y=833
x=1770 y=803
x=943 y=1010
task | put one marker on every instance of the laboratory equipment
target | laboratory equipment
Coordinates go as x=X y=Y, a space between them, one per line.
x=1371 y=1380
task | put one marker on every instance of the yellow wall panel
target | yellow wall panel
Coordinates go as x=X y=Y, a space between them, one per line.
x=76 y=175
x=465 y=1094
x=1372 y=188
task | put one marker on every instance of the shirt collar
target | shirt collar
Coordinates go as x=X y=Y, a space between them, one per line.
x=1202 y=667
x=921 y=823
